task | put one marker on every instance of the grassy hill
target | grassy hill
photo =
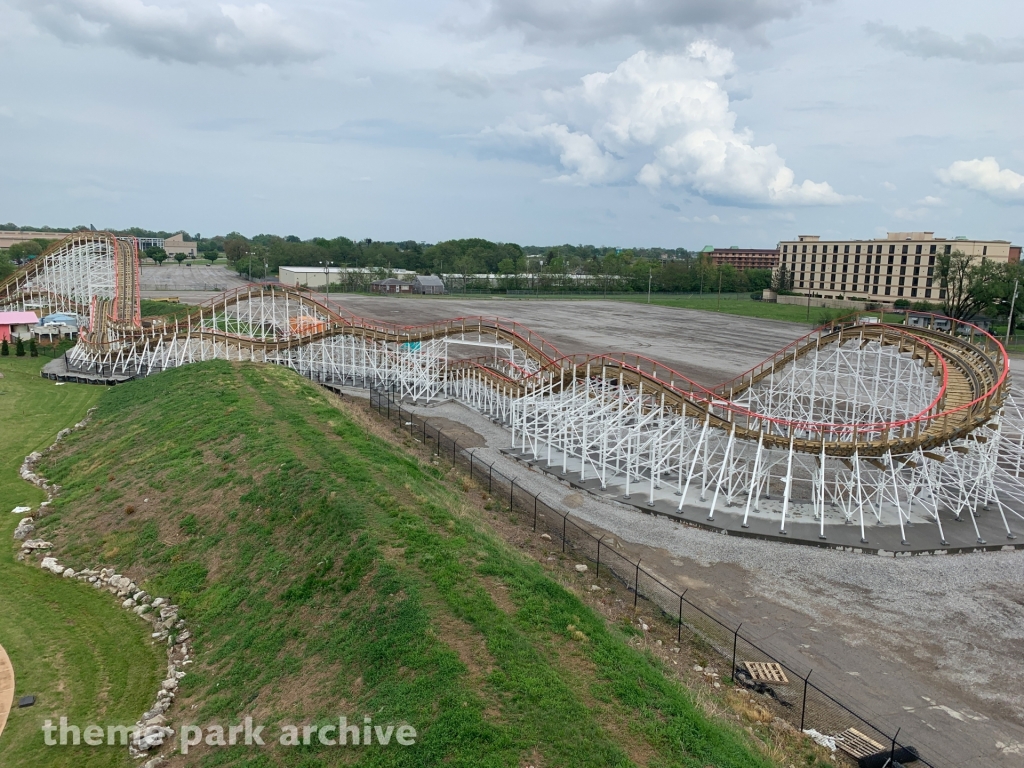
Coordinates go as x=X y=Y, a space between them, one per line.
x=70 y=646
x=326 y=572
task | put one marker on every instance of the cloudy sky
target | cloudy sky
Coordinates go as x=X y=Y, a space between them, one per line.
x=615 y=122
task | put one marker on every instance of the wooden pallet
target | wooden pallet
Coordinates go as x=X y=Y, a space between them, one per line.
x=766 y=672
x=856 y=744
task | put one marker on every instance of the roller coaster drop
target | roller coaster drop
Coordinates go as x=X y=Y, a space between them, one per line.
x=857 y=424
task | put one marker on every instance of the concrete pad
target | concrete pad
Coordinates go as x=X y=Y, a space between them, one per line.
x=6 y=688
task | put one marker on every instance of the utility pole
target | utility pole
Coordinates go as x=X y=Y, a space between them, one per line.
x=1009 y=320
x=648 y=285
x=327 y=279
x=808 y=306
x=719 y=308
x=250 y=264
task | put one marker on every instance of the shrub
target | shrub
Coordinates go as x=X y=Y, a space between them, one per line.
x=901 y=304
x=33 y=350
x=4 y=349
x=756 y=295
x=19 y=348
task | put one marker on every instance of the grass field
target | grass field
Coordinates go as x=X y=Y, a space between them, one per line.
x=71 y=646
x=326 y=572
x=151 y=308
x=742 y=304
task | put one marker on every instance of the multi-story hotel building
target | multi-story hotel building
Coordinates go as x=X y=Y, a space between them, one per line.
x=902 y=265
x=744 y=258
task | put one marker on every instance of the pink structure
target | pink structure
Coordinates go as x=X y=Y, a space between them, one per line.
x=16 y=324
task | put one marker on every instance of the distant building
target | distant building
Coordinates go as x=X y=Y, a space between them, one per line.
x=17 y=325
x=431 y=284
x=746 y=258
x=176 y=244
x=58 y=325
x=7 y=239
x=901 y=265
x=316 y=277
x=391 y=285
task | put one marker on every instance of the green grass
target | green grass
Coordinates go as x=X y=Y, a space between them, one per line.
x=151 y=308
x=71 y=646
x=743 y=305
x=325 y=572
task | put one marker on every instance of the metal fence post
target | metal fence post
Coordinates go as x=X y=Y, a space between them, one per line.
x=511 y=496
x=535 y=513
x=735 y=638
x=599 y=556
x=636 y=583
x=566 y=515
x=803 y=707
x=892 y=752
x=470 y=465
x=679 y=627
x=455 y=445
x=489 y=476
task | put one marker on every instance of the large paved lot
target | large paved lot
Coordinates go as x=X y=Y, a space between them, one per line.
x=708 y=347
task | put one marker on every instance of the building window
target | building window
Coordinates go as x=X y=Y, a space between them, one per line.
x=874 y=289
x=906 y=248
x=931 y=249
x=892 y=249
x=917 y=249
x=846 y=249
x=856 y=249
x=803 y=249
x=785 y=248
x=814 y=249
x=903 y=259
x=913 y=292
x=888 y=290
x=947 y=250
x=928 y=292
x=900 y=291
x=942 y=293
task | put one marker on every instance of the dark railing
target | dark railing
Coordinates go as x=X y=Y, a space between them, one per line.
x=804 y=704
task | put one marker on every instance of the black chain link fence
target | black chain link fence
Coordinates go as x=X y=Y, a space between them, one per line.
x=804 y=703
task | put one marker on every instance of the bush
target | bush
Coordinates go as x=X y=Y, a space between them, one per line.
x=19 y=348
x=33 y=350
x=901 y=304
x=756 y=295
x=4 y=349
x=922 y=306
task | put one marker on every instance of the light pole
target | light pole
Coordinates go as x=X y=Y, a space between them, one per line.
x=250 y=264
x=648 y=285
x=1009 y=320
x=327 y=279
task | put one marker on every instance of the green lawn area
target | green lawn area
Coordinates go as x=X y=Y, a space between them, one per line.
x=325 y=572
x=153 y=308
x=72 y=647
x=742 y=304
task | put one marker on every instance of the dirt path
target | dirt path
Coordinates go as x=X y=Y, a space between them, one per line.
x=6 y=688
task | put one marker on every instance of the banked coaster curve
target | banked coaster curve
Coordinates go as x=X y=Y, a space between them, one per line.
x=860 y=433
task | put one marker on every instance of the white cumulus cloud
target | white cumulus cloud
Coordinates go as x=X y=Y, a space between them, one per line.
x=664 y=120
x=220 y=34
x=986 y=176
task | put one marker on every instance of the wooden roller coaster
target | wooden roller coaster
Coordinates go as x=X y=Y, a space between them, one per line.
x=858 y=416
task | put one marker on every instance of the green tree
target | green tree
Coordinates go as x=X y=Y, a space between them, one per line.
x=210 y=256
x=19 y=348
x=156 y=253
x=4 y=349
x=782 y=280
x=25 y=251
x=6 y=267
x=33 y=350
x=969 y=286
x=179 y=257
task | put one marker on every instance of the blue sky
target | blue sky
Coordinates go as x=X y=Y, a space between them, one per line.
x=615 y=122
